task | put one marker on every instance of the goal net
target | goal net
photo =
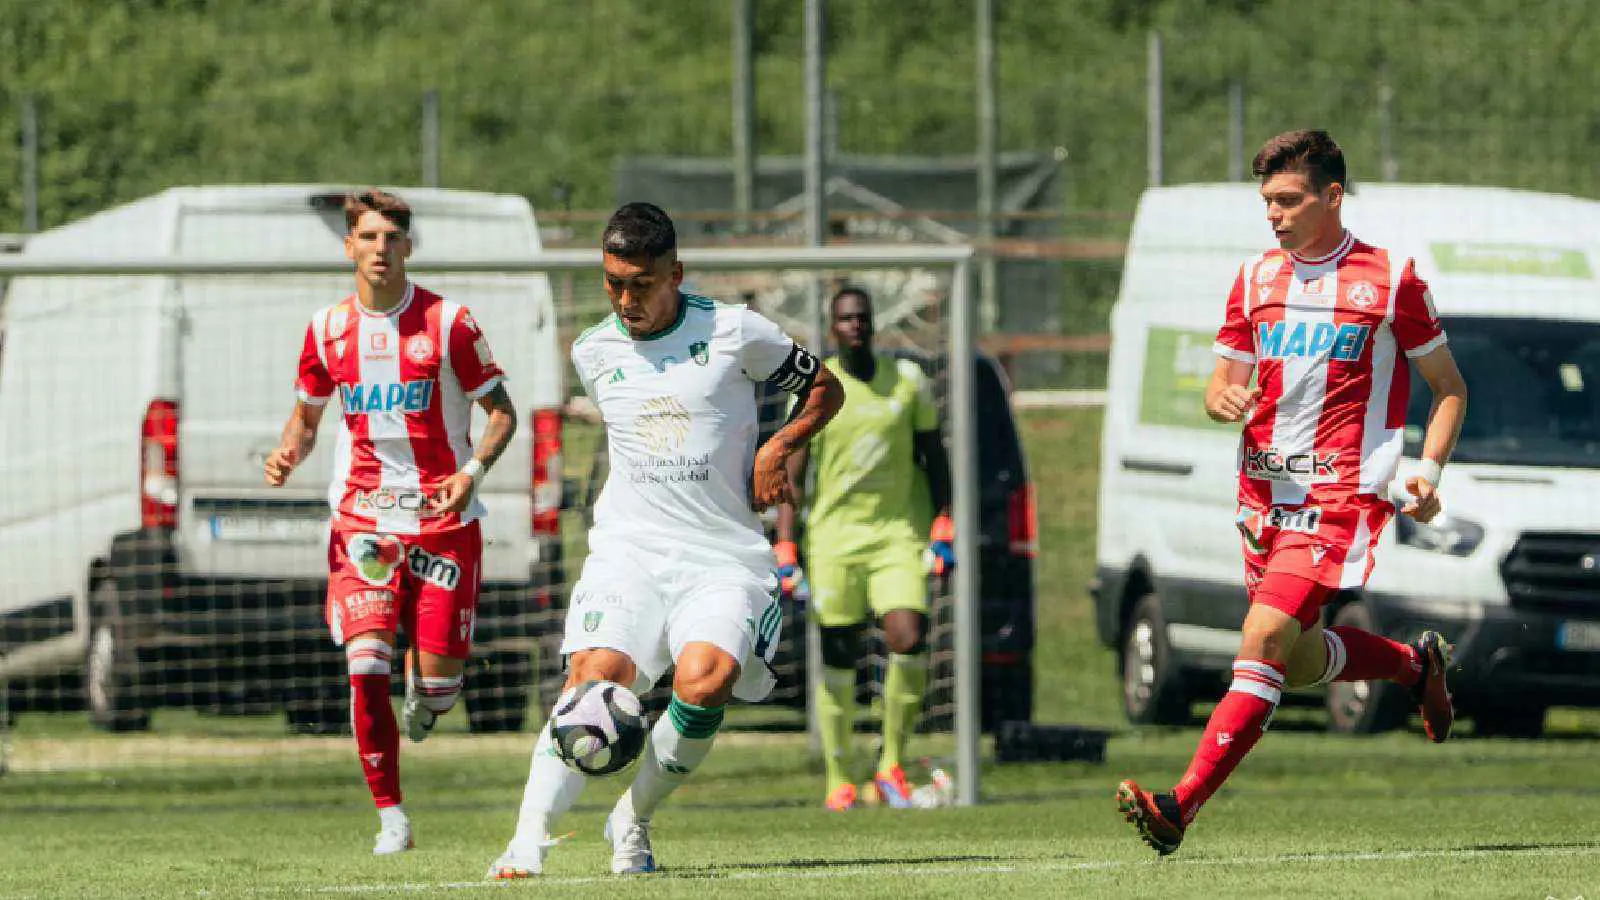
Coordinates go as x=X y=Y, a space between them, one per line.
x=164 y=590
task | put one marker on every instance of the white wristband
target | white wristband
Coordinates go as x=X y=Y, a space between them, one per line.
x=1429 y=471
x=474 y=470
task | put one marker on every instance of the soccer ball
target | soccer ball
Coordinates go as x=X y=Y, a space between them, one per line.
x=598 y=727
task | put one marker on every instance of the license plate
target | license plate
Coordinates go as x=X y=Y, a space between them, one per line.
x=1578 y=636
x=269 y=530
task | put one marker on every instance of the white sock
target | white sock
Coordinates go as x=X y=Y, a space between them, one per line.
x=672 y=756
x=392 y=817
x=551 y=790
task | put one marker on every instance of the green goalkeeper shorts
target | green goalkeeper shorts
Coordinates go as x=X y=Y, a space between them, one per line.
x=883 y=579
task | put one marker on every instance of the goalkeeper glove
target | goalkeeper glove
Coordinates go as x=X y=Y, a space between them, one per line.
x=790 y=575
x=941 y=553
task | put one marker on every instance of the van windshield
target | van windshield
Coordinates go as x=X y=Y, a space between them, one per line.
x=1534 y=392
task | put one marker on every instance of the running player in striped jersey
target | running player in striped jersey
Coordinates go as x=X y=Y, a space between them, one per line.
x=405 y=544
x=1326 y=325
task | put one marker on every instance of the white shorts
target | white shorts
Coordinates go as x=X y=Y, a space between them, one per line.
x=650 y=607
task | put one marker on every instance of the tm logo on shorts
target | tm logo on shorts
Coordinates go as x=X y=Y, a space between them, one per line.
x=375 y=556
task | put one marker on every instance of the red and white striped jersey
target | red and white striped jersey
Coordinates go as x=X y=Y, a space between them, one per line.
x=407 y=380
x=1329 y=338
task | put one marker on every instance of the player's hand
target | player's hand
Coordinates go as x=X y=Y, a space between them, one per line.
x=769 y=485
x=942 y=545
x=279 y=463
x=452 y=495
x=1233 y=403
x=789 y=573
x=1424 y=503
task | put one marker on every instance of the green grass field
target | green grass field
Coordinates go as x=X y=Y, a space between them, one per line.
x=231 y=807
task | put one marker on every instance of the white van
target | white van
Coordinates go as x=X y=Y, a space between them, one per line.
x=135 y=413
x=1508 y=573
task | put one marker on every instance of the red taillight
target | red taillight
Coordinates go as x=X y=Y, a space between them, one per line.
x=158 y=465
x=1024 y=524
x=546 y=472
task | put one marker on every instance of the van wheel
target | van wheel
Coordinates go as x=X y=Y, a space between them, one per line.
x=1509 y=721
x=1153 y=692
x=111 y=670
x=1365 y=707
x=496 y=693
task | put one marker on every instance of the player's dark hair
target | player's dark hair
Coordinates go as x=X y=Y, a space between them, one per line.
x=1311 y=153
x=639 y=231
x=359 y=203
x=849 y=290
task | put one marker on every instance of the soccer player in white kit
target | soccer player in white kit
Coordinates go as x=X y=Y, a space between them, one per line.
x=679 y=570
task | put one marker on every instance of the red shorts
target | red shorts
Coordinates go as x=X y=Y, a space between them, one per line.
x=426 y=582
x=1320 y=549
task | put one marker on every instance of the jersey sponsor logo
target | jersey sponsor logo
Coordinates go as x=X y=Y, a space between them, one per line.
x=1284 y=340
x=1301 y=468
x=358 y=605
x=1316 y=290
x=375 y=556
x=380 y=341
x=663 y=424
x=1362 y=294
x=1303 y=519
x=419 y=348
x=362 y=398
x=382 y=500
x=797 y=372
x=439 y=571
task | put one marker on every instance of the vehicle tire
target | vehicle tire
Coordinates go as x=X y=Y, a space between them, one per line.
x=111 y=672
x=316 y=694
x=1153 y=692
x=496 y=692
x=1505 y=720
x=1365 y=707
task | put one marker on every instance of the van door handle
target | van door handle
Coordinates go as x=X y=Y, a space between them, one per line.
x=1157 y=466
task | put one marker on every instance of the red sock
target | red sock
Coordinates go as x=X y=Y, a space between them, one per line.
x=1236 y=724
x=1369 y=657
x=377 y=737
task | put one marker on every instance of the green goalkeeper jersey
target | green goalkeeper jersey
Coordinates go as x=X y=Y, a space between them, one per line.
x=868 y=490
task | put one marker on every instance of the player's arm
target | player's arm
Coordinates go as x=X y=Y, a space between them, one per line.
x=789 y=510
x=1229 y=395
x=1438 y=368
x=299 y=437
x=455 y=492
x=818 y=403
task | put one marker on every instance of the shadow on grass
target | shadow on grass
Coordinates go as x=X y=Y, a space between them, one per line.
x=812 y=864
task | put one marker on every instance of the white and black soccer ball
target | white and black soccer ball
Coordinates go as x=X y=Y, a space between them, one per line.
x=598 y=727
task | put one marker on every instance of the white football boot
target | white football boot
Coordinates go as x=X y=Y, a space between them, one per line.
x=395 y=837
x=630 y=841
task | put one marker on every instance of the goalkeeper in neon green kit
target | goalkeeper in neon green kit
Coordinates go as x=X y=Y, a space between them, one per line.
x=880 y=469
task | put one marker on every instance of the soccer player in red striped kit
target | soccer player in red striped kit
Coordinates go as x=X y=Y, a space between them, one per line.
x=406 y=545
x=1326 y=325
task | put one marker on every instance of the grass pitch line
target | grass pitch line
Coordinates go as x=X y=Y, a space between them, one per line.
x=1020 y=867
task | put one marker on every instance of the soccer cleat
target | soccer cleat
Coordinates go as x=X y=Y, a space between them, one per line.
x=1431 y=692
x=630 y=844
x=841 y=798
x=417 y=719
x=893 y=789
x=1157 y=816
x=394 y=839
x=513 y=865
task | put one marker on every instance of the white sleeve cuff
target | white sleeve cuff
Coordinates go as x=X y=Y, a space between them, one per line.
x=1425 y=349
x=1226 y=352
x=309 y=400
x=485 y=388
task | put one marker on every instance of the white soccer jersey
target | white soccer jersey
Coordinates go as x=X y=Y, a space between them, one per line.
x=681 y=423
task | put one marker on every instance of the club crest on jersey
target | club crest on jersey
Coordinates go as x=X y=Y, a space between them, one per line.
x=1362 y=294
x=408 y=396
x=700 y=351
x=419 y=348
x=1286 y=340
